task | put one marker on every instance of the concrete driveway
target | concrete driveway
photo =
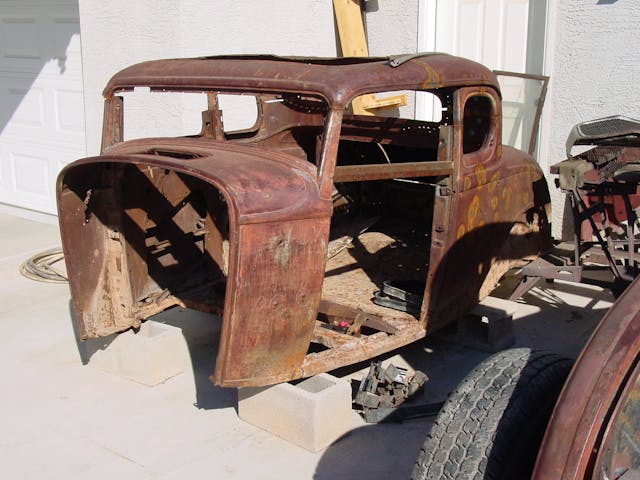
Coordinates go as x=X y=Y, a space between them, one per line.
x=63 y=419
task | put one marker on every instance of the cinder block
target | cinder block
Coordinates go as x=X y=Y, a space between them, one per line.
x=151 y=356
x=312 y=414
x=489 y=326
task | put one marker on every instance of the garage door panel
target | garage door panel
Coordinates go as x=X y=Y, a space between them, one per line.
x=29 y=177
x=41 y=100
x=69 y=112
x=18 y=33
x=32 y=33
x=31 y=174
x=29 y=110
x=49 y=114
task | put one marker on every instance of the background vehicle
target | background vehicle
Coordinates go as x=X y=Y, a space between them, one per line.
x=492 y=426
x=290 y=227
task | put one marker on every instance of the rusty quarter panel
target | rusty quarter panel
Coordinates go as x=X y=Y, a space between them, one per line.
x=499 y=194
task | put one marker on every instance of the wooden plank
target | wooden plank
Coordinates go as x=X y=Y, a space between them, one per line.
x=353 y=43
x=385 y=102
x=350 y=28
x=387 y=171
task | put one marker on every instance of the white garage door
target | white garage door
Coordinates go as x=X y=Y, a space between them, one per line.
x=41 y=101
x=501 y=34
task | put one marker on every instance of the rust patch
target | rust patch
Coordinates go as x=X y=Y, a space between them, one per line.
x=281 y=251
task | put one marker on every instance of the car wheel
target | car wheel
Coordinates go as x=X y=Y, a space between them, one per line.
x=492 y=424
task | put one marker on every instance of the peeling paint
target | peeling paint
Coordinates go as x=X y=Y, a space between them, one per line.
x=281 y=251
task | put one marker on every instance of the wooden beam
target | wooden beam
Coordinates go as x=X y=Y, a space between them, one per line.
x=353 y=42
x=351 y=28
x=385 y=102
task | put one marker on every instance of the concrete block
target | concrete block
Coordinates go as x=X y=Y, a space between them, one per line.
x=489 y=326
x=312 y=414
x=150 y=356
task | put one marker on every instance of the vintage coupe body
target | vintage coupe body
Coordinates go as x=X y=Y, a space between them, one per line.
x=289 y=228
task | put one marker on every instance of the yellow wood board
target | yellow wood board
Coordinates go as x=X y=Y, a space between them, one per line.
x=353 y=42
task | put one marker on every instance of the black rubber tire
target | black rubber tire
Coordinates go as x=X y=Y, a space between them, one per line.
x=492 y=425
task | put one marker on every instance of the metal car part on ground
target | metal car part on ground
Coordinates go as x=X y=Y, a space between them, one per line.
x=383 y=390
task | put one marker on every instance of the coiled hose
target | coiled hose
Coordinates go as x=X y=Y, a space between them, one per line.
x=40 y=267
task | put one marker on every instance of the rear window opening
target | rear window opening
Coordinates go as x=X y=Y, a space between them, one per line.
x=478 y=111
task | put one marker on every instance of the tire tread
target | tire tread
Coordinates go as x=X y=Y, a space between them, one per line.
x=474 y=433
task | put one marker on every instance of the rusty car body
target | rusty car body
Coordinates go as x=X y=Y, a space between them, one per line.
x=288 y=228
x=594 y=430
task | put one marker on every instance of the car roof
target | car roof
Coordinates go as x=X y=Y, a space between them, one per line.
x=337 y=79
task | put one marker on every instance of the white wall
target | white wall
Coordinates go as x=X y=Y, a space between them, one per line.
x=594 y=65
x=392 y=26
x=118 y=33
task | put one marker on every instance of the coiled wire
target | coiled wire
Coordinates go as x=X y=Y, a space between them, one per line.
x=40 y=267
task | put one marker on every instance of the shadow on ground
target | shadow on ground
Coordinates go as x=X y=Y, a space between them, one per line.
x=556 y=317
x=201 y=333
x=561 y=317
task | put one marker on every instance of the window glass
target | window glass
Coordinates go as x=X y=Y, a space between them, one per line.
x=520 y=100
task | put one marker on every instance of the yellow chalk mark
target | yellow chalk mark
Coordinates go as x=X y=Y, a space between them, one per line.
x=472 y=213
x=493 y=183
x=481 y=174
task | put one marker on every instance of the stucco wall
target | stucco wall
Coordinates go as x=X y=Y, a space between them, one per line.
x=392 y=26
x=117 y=33
x=595 y=72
